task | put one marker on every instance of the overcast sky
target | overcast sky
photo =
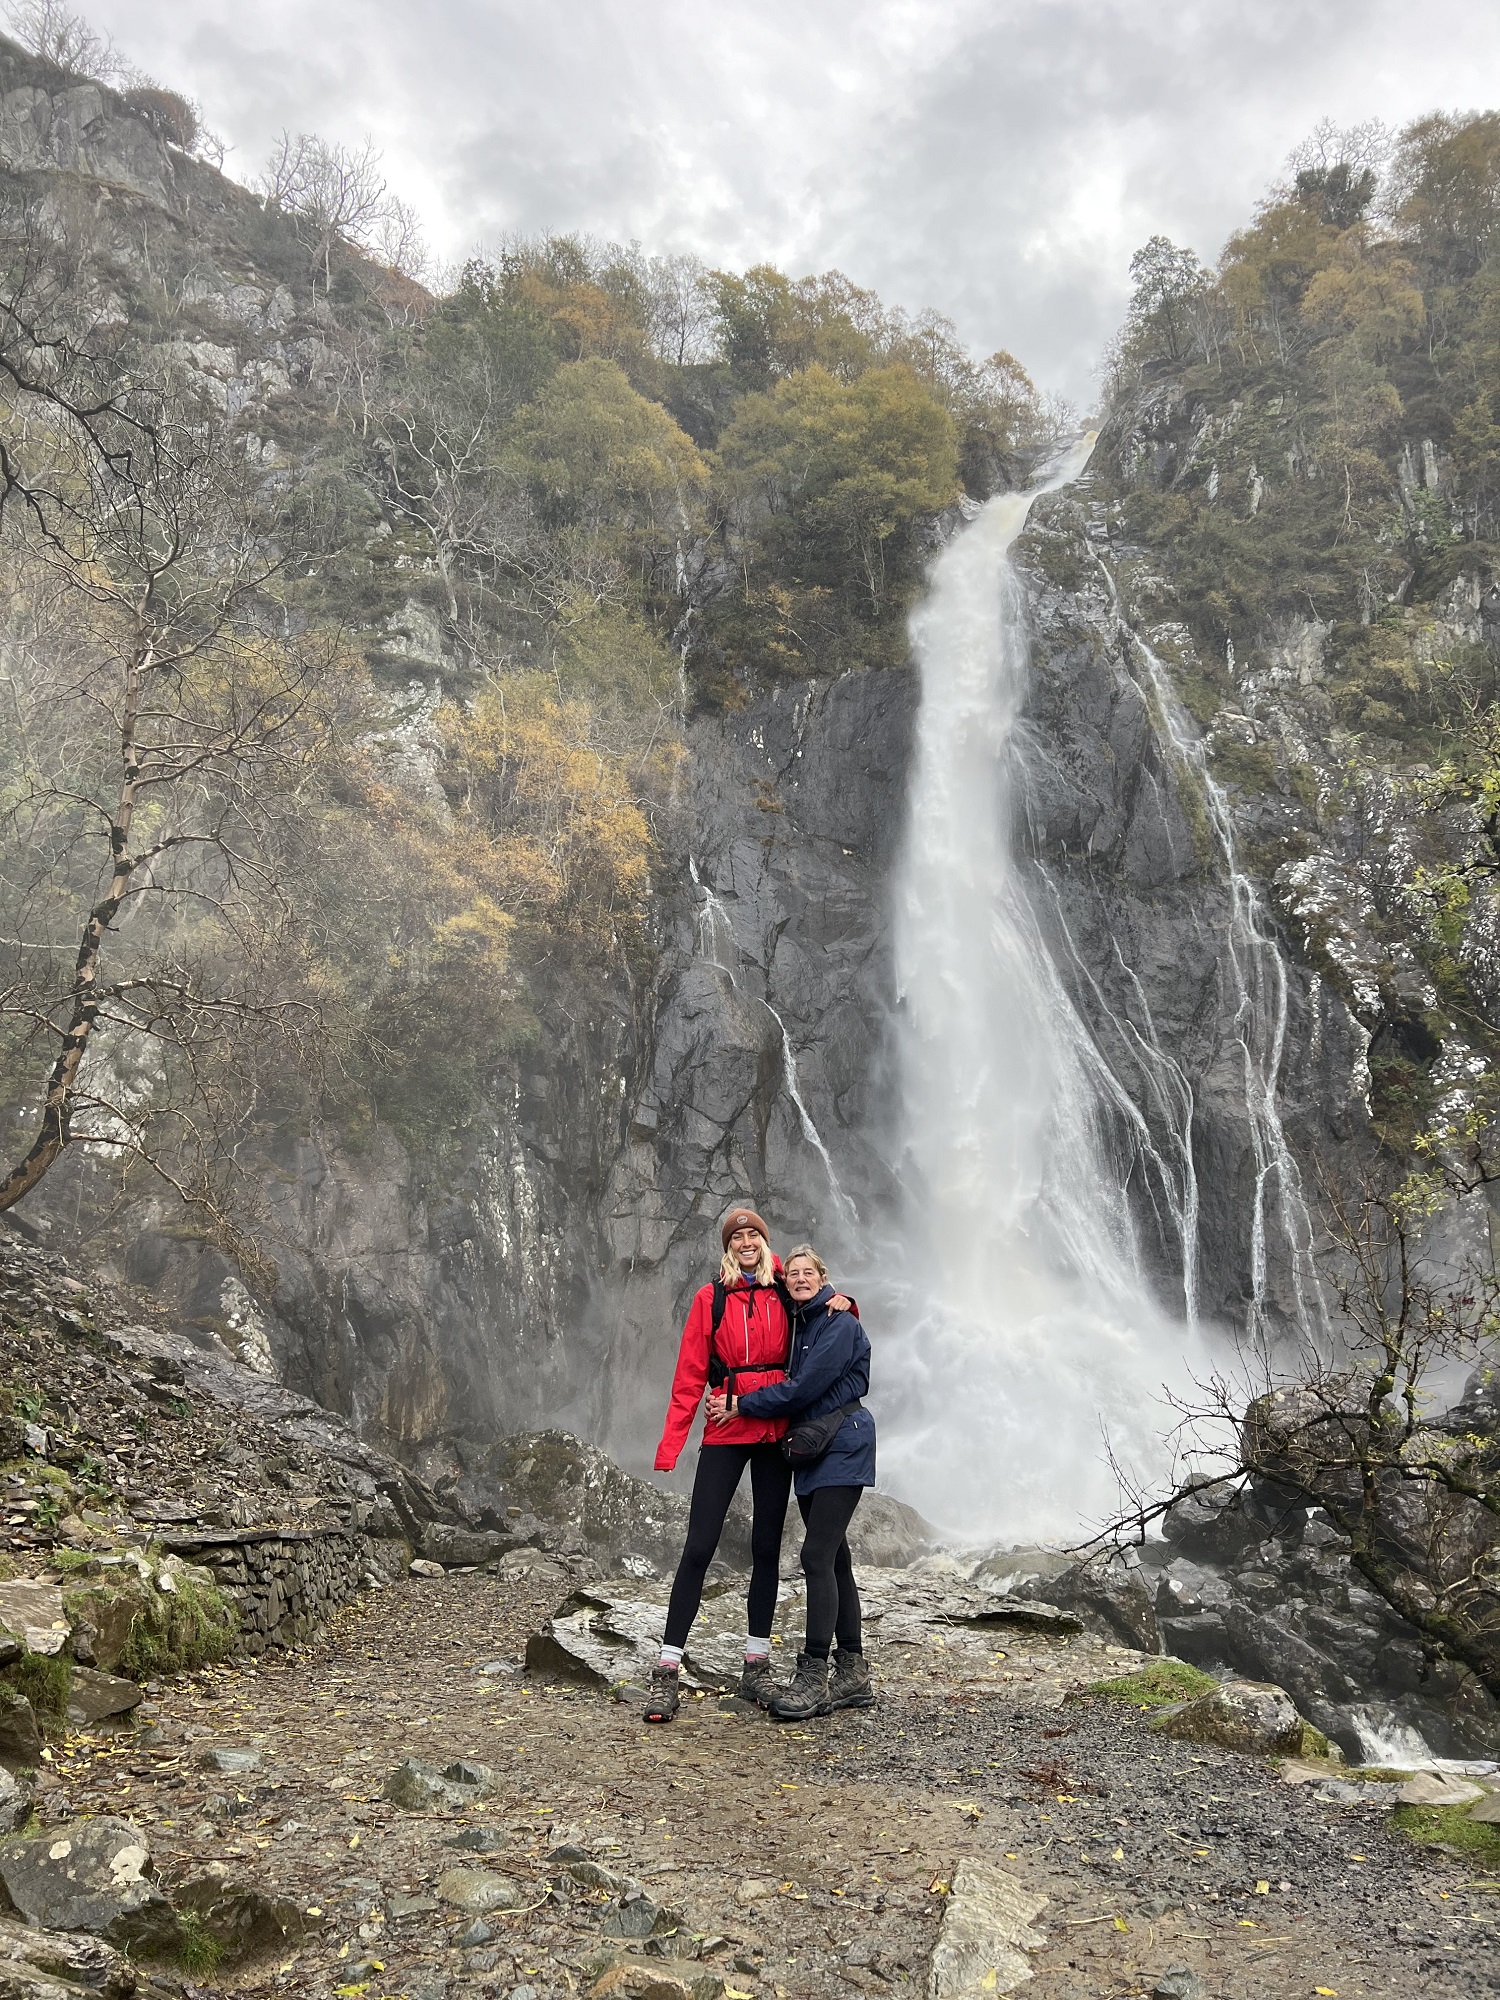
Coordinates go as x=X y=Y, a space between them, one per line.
x=997 y=159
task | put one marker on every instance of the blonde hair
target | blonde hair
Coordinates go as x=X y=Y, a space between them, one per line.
x=806 y=1250
x=730 y=1272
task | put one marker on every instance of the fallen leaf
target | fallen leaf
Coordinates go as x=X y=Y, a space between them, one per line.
x=1262 y=1888
x=1118 y=1855
x=1121 y=1925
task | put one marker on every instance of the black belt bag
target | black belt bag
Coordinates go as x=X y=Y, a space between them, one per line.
x=805 y=1443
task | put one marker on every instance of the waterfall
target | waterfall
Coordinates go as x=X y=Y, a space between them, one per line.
x=1024 y=1323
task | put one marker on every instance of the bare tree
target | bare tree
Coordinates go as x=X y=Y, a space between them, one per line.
x=335 y=194
x=156 y=703
x=1362 y=1435
x=61 y=37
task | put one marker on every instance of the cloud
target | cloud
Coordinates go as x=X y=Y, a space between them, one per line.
x=997 y=159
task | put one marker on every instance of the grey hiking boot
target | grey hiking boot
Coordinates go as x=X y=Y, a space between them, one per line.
x=665 y=1698
x=758 y=1681
x=807 y=1693
x=849 y=1682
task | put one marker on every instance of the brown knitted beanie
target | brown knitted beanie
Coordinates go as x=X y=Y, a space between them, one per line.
x=742 y=1218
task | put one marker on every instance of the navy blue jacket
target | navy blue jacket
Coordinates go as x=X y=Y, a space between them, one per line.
x=829 y=1366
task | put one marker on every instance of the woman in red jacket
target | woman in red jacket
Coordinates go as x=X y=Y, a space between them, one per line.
x=751 y=1343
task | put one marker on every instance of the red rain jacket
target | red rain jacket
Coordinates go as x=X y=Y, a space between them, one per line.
x=753 y=1336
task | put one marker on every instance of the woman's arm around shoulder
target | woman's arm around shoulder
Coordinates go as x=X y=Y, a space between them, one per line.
x=689 y=1380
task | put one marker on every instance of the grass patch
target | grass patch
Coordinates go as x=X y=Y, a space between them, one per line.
x=46 y=1680
x=198 y=1950
x=1154 y=1686
x=1451 y=1827
x=174 y=1633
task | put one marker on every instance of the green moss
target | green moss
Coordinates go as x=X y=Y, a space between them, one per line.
x=46 y=1680
x=173 y=1634
x=1450 y=1827
x=1315 y=1744
x=1154 y=1686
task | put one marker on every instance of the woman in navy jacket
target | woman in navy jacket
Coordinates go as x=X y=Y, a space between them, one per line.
x=829 y=1369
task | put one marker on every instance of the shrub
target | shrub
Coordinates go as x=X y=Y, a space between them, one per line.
x=46 y=1681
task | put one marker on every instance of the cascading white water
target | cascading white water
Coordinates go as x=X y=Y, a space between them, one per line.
x=1025 y=1326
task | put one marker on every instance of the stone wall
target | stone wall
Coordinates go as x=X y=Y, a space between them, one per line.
x=288 y=1582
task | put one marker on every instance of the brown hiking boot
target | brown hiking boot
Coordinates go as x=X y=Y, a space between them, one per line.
x=849 y=1682
x=665 y=1698
x=758 y=1681
x=806 y=1695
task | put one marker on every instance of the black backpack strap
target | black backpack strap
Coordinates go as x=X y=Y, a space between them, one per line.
x=721 y=1296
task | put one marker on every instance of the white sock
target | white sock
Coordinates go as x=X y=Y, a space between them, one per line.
x=671 y=1656
x=757 y=1649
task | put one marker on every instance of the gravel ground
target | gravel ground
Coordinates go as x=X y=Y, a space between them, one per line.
x=804 y=1861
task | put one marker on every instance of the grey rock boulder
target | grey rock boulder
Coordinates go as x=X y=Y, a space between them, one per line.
x=1249 y=1716
x=90 y=1875
x=20 y=1738
x=599 y=1641
x=231 y=1760
x=15 y=1802
x=423 y=1788
x=92 y=1696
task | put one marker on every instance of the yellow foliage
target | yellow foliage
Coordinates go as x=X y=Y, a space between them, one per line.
x=589 y=441
x=571 y=843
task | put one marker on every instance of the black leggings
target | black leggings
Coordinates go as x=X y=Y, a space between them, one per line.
x=832 y=1598
x=714 y=1484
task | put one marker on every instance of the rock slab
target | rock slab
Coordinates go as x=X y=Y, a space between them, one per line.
x=985 y=1935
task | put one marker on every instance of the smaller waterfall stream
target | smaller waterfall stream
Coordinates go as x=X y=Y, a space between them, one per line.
x=719 y=947
x=1024 y=1321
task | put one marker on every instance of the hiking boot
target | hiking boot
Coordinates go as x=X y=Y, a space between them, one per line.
x=665 y=1699
x=758 y=1681
x=849 y=1682
x=807 y=1693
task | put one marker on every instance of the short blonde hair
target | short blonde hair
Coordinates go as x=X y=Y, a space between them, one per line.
x=806 y=1250
x=765 y=1271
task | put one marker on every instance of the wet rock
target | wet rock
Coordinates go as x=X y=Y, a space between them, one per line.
x=577 y=1489
x=1112 y=1597
x=91 y=1875
x=421 y=1567
x=478 y=1890
x=31 y=1959
x=1249 y=1716
x=1488 y=1809
x=452 y=1546
x=473 y=1935
x=241 y=1916
x=34 y=1612
x=93 y=1696
x=985 y=1935
x=20 y=1738
x=592 y=1876
x=232 y=1760
x=887 y=1534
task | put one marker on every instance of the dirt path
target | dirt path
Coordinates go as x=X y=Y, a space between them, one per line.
x=805 y=1861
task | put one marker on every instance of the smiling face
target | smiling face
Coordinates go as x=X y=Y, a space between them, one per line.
x=803 y=1278
x=745 y=1247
